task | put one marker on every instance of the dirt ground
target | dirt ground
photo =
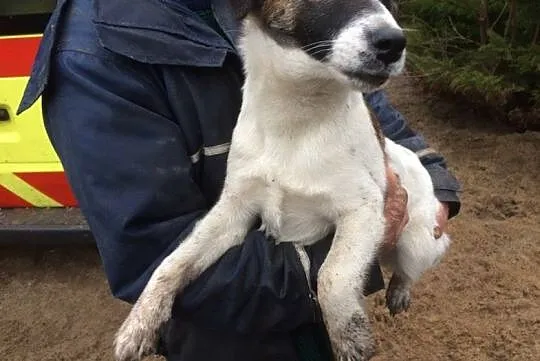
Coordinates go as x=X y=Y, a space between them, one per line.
x=481 y=303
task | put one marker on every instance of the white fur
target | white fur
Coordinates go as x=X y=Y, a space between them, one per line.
x=417 y=249
x=304 y=156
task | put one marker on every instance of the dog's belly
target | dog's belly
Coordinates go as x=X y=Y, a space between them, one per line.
x=302 y=219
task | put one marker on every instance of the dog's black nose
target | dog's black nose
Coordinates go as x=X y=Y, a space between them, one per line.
x=389 y=44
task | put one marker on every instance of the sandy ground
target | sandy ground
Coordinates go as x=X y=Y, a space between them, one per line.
x=482 y=303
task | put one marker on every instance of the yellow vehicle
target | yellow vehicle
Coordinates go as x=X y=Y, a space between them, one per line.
x=32 y=180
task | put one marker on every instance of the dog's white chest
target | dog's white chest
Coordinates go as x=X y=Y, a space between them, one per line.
x=302 y=193
x=306 y=169
x=289 y=216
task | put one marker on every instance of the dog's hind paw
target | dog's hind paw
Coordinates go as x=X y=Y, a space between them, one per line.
x=355 y=342
x=134 y=340
x=398 y=300
x=398 y=296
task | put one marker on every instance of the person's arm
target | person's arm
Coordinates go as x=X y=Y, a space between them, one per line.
x=132 y=175
x=395 y=127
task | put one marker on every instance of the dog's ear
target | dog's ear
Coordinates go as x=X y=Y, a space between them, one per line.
x=392 y=6
x=243 y=7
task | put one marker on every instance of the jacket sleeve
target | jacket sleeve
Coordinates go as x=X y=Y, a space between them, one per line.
x=395 y=127
x=128 y=166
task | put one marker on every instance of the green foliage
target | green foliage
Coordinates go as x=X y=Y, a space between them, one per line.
x=494 y=59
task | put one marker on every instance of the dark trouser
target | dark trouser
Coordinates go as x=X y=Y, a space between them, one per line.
x=182 y=339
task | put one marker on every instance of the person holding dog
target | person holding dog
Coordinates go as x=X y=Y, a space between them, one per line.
x=140 y=102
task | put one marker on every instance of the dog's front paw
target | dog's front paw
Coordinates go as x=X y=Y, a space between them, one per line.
x=354 y=343
x=398 y=296
x=135 y=339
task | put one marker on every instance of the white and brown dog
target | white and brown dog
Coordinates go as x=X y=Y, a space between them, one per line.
x=306 y=159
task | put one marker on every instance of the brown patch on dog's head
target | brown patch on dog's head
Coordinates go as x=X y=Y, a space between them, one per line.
x=274 y=14
x=243 y=7
x=281 y=14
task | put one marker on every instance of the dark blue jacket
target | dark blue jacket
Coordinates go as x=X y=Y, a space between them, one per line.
x=139 y=102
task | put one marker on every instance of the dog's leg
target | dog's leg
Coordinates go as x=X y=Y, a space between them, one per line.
x=417 y=249
x=416 y=252
x=341 y=282
x=223 y=227
x=398 y=294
